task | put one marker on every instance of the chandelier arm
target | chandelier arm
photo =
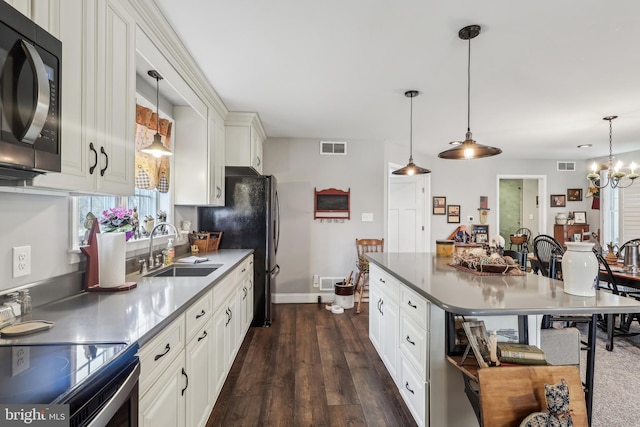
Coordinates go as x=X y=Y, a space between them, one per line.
x=469 y=88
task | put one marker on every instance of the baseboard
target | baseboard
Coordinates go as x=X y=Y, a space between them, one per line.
x=308 y=298
x=302 y=298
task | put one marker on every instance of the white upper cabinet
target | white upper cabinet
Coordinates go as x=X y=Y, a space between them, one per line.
x=98 y=95
x=244 y=139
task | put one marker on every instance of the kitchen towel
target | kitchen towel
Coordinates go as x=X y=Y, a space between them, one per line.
x=111 y=259
x=192 y=260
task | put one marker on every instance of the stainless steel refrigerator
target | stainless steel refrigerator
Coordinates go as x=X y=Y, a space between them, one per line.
x=250 y=220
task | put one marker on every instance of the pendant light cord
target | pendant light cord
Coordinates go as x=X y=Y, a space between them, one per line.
x=157 y=105
x=411 y=131
x=469 y=88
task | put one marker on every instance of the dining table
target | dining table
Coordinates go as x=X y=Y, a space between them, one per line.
x=623 y=276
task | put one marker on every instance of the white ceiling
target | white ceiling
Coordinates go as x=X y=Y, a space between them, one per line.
x=543 y=73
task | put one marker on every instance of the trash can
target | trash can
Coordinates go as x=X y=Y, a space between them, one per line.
x=344 y=294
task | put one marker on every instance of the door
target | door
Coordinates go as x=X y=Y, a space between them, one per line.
x=521 y=203
x=406 y=219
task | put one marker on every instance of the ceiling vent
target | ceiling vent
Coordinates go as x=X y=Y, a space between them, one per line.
x=566 y=166
x=333 y=148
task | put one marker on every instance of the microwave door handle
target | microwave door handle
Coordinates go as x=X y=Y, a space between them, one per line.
x=43 y=94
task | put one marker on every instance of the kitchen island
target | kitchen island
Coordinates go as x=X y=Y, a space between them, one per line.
x=411 y=294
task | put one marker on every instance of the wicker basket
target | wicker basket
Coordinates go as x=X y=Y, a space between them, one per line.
x=518 y=240
x=207 y=241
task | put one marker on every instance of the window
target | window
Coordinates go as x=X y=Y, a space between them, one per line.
x=148 y=203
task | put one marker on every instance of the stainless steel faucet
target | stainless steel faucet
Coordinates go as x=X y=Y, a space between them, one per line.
x=175 y=231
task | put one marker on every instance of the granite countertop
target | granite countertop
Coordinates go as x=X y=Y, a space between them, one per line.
x=129 y=316
x=465 y=293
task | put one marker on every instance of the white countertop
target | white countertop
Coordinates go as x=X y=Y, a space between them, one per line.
x=128 y=316
x=469 y=294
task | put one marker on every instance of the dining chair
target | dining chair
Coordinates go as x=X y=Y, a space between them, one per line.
x=609 y=321
x=362 y=279
x=517 y=256
x=545 y=248
x=522 y=232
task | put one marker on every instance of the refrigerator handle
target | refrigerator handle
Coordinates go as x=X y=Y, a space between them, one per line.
x=274 y=272
x=276 y=222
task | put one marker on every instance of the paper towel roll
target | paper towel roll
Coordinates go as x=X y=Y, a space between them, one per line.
x=111 y=259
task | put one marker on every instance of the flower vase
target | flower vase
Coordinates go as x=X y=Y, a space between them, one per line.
x=580 y=269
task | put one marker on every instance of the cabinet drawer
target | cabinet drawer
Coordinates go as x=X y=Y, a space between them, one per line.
x=158 y=353
x=246 y=268
x=198 y=314
x=414 y=391
x=413 y=345
x=384 y=282
x=415 y=306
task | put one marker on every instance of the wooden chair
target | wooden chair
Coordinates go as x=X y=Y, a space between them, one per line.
x=509 y=394
x=362 y=279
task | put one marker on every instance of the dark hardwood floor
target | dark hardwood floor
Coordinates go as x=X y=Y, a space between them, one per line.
x=310 y=368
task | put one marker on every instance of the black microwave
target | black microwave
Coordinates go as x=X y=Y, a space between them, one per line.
x=30 y=63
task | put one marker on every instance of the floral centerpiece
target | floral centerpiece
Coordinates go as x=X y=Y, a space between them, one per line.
x=117 y=219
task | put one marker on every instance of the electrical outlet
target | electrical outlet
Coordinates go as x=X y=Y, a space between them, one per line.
x=19 y=360
x=21 y=261
x=470 y=218
x=367 y=217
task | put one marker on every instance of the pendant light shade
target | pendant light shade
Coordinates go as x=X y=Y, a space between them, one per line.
x=157 y=148
x=469 y=149
x=411 y=168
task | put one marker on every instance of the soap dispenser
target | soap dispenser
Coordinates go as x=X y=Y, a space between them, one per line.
x=171 y=252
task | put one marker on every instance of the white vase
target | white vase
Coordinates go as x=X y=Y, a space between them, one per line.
x=580 y=269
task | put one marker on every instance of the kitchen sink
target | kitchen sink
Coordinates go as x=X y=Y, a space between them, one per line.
x=183 y=271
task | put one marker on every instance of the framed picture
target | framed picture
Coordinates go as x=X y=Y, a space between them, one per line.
x=453 y=214
x=574 y=194
x=479 y=341
x=481 y=233
x=579 y=217
x=558 y=201
x=439 y=205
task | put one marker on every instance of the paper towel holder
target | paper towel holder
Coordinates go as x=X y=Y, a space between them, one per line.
x=92 y=275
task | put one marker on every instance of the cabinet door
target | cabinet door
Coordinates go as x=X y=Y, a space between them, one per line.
x=164 y=404
x=256 y=150
x=115 y=98
x=374 y=317
x=390 y=325
x=199 y=367
x=73 y=22
x=216 y=160
x=223 y=348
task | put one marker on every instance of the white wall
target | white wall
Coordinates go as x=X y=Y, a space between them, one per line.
x=41 y=222
x=309 y=246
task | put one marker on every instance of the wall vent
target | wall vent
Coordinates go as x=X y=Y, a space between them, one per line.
x=566 y=166
x=327 y=283
x=332 y=148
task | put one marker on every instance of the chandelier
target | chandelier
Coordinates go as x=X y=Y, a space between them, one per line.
x=614 y=173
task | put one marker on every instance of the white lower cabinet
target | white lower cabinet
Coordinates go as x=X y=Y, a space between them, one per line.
x=199 y=394
x=384 y=318
x=399 y=322
x=164 y=403
x=183 y=368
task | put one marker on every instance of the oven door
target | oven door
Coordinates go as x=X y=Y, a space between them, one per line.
x=122 y=408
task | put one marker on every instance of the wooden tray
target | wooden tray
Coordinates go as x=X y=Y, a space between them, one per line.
x=206 y=241
x=26 y=328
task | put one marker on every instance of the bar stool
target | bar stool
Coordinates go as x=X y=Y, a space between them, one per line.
x=362 y=279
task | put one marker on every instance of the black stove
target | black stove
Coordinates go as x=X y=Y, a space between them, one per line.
x=72 y=374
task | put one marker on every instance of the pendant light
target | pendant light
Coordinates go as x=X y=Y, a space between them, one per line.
x=469 y=149
x=614 y=173
x=411 y=168
x=157 y=148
